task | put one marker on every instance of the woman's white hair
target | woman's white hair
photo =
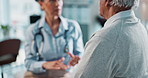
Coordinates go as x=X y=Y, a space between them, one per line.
x=125 y=3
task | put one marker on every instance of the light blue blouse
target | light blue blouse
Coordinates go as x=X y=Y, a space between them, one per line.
x=51 y=47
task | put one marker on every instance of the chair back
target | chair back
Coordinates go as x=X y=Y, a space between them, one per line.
x=9 y=50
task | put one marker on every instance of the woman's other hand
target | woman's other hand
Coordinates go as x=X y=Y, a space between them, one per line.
x=75 y=59
x=56 y=65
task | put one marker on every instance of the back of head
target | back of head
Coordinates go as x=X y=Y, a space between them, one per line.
x=125 y=3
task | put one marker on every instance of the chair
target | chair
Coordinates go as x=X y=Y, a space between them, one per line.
x=8 y=51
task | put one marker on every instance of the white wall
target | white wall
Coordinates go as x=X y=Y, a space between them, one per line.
x=4 y=12
x=0 y=11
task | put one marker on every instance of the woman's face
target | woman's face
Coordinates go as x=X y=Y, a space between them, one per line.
x=52 y=7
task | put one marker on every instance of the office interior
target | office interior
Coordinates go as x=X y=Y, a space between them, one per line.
x=17 y=15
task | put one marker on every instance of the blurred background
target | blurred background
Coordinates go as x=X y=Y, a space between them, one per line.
x=17 y=15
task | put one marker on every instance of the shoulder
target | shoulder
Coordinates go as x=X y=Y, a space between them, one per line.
x=111 y=32
x=73 y=27
x=33 y=27
x=69 y=20
x=72 y=23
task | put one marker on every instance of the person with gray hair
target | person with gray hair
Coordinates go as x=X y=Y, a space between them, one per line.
x=125 y=3
x=120 y=48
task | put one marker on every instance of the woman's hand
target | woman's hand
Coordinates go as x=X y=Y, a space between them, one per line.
x=75 y=59
x=55 y=65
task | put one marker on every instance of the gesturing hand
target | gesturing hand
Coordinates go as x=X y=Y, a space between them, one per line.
x=75 y=59
x=56 y=65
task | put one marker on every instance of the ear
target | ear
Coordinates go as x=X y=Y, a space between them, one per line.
x=107 y=3
x=41 y=4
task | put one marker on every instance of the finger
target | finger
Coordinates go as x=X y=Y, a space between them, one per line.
x=56 y=68
x=52 y=66
x=77 y=57
x=59 y=65
x=63 y=66
x=56 y=65
x=71 y=55
x=73 y=63
x=61 y=60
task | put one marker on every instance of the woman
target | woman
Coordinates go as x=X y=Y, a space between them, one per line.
x=53 y=43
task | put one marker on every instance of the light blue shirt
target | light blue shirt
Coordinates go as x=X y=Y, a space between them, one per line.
x=118 y=50
x=51 y=47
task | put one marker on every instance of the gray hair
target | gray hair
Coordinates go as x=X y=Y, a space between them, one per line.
x=125 y=3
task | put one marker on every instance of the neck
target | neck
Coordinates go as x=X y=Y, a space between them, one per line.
x=114 y=10
x=52 y=20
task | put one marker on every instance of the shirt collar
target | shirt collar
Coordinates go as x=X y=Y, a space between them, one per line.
x=62 y=28
x=42 y=21
x=122 y=14
x=63 y=23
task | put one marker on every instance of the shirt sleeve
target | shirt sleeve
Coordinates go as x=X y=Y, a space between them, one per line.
x=98 y=60
x=31 y=62
x=78 y=41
